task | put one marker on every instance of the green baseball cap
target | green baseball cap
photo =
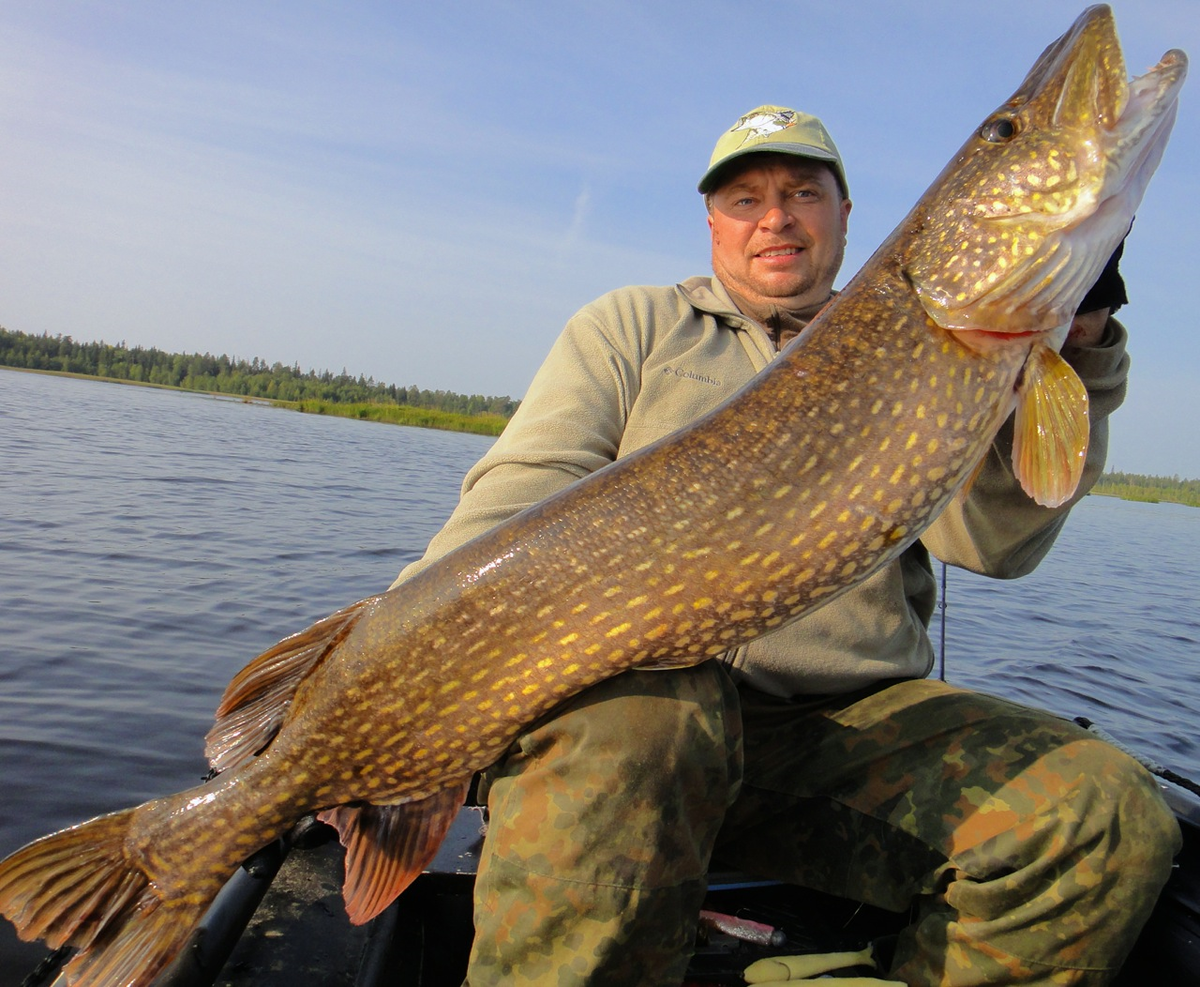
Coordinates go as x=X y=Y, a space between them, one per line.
x=778 y=129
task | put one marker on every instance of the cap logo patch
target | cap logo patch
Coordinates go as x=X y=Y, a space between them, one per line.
x=760 y=124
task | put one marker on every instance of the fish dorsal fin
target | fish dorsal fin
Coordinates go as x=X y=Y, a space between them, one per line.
x=387 y=846
x=257 y=699
x=1051 y=428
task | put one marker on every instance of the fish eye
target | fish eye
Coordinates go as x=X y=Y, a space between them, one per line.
x=998 y=131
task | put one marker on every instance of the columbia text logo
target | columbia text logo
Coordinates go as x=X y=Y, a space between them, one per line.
x=691 y=375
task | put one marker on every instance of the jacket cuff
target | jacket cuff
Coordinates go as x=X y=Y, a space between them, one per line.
x=1105 y=366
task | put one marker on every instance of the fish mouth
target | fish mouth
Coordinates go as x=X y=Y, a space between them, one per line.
x=1047 y=187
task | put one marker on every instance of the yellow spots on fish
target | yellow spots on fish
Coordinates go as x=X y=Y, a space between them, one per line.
x=897 y=474
x=817 y=511
x=828 y=540
x=618 y=630
x=913 y=438
x=782 y=491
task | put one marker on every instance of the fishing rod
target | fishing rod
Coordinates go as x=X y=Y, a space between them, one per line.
x=1156 y=769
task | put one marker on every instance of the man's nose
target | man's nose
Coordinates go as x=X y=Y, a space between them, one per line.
x=775 y=218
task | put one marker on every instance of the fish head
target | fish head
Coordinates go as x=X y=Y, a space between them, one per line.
x=1022 y=221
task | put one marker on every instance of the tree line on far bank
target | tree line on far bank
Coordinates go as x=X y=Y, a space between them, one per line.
x=227 y=375
x=1152 y=489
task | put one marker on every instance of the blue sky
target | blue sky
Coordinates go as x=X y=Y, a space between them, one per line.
x=423 y=193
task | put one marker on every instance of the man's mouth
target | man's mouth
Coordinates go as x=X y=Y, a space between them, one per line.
x=779 y=252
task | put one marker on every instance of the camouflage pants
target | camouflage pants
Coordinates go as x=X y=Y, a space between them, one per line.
x=1030 y=852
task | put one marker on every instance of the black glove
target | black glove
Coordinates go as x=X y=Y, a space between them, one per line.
x=1109 y=290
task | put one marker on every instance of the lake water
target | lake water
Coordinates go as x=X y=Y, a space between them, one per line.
x=153 y=541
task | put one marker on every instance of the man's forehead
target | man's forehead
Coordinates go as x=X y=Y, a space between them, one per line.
x=756 y=167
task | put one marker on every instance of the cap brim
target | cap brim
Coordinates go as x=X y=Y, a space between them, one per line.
x=708 y=180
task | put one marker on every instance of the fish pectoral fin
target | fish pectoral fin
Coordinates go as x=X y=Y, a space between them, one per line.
x=1051 y=428
x=257 y=698
x=387 y=846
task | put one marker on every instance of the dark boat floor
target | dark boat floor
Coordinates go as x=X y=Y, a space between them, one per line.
x=296 y=931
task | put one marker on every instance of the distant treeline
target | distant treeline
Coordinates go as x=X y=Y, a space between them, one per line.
x=1154 y=489
x=226 y=375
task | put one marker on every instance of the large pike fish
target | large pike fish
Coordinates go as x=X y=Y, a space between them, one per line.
x=824 y=468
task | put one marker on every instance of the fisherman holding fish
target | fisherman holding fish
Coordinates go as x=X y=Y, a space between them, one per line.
x=704 y=644
x=1028 y=851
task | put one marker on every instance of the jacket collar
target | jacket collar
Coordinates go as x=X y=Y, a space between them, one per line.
x=707 y=294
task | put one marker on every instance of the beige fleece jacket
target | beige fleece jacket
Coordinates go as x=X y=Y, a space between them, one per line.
x=640 y=362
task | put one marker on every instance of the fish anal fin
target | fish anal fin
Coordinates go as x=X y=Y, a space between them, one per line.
x=1051 y=428
x=257 y=698
x=387 y=846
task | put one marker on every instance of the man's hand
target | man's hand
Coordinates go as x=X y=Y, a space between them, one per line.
x=1087 y=329
x=1103 y=298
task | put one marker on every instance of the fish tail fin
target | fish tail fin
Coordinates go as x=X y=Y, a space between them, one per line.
x=77 y=888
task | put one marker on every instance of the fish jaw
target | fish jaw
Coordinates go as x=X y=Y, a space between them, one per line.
x=1052 y=178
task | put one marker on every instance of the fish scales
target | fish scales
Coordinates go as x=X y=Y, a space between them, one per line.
x=824 y=468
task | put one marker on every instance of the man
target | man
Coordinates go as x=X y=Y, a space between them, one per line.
x=1028 y=852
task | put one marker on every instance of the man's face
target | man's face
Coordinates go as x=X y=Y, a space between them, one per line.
x=779 y=230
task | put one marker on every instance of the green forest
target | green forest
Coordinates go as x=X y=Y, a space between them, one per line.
x=1152 y=489
x=314 y=391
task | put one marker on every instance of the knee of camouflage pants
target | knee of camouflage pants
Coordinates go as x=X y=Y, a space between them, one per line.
x=1051 y=877
x=1025 y=850
x=602 y=821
